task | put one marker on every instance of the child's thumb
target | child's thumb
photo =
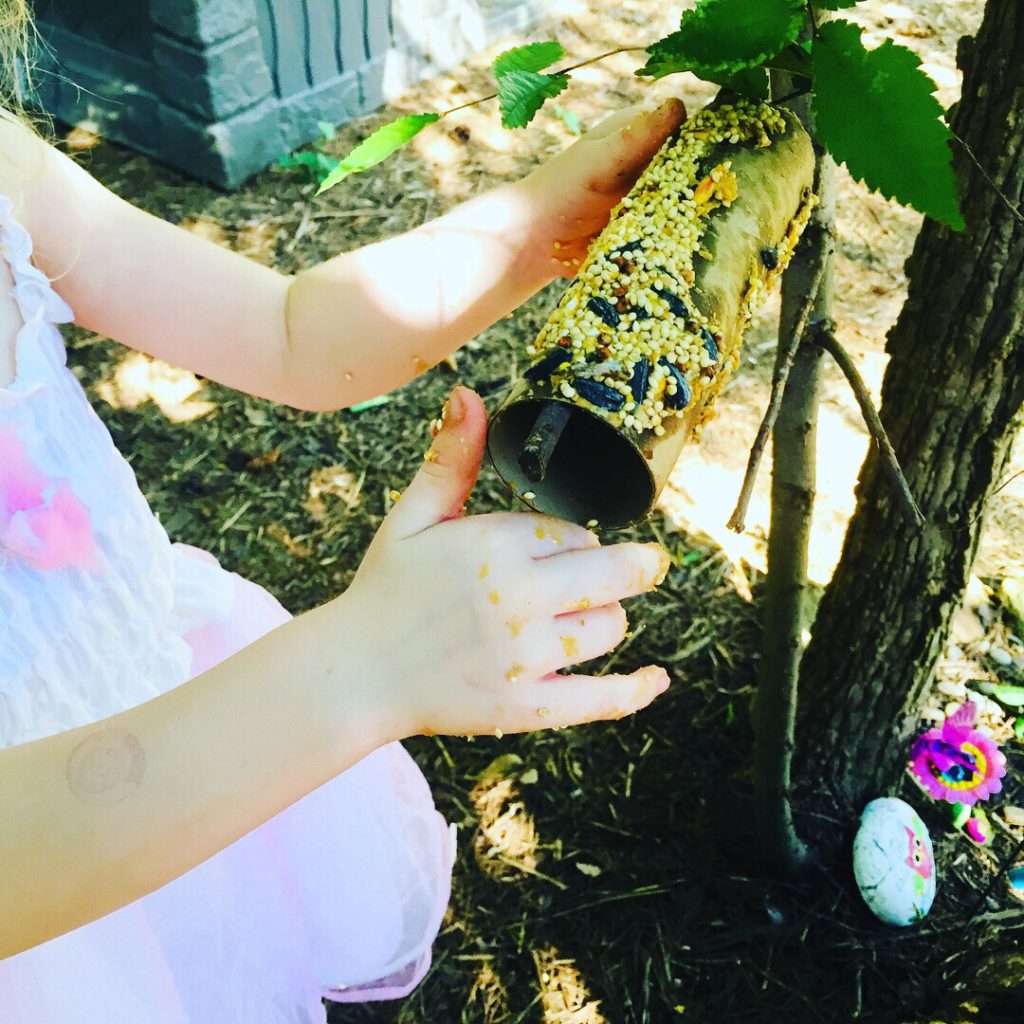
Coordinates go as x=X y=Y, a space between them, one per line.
x=449 y=469
x=649 y=128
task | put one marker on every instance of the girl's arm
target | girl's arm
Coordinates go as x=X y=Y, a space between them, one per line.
x=358 y=325
x=97 y=817
x=94 y=818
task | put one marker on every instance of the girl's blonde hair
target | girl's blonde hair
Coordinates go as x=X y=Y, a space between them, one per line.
x=15 y=63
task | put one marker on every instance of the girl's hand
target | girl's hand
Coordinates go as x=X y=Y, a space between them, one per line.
x=574 y=192
x=463 y=622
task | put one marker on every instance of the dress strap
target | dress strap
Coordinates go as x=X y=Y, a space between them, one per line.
x=32 y=290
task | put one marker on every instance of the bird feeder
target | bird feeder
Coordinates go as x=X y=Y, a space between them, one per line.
x=627 y=366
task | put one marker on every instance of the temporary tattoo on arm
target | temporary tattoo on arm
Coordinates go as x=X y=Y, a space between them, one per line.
x=106 y=767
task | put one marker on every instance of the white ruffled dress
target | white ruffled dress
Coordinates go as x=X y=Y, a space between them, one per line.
x=340 y=896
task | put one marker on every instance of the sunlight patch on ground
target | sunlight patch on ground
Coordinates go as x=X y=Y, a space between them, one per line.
x=703 y=488
x=257 y=241
x=85 y=135
x=488 y=996
x=328 y=482
x=564 y=996
x=206 y=228
x=506 y=840
x=140 y=378
x=1001 y=552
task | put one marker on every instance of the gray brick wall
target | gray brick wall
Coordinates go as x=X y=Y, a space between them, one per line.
x=221 y=88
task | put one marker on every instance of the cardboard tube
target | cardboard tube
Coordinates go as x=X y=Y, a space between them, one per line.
x=607 y=473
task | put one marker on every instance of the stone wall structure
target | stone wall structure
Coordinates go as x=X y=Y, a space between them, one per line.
x=222 y=88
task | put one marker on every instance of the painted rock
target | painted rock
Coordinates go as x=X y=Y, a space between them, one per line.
x=1015 y=879
x=892 y=862
x=979 y=829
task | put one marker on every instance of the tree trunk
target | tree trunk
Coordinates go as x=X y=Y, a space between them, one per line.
x=785 y=617
x=952 y=390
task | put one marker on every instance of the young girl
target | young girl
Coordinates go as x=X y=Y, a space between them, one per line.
x=206 y=814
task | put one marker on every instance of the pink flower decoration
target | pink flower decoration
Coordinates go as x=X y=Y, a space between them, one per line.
x=956 y=762
x=41 y=520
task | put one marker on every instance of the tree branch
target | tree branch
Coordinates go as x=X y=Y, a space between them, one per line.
x=783 y=362
x=821 y=334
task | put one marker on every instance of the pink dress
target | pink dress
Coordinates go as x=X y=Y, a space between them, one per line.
x=340 y=896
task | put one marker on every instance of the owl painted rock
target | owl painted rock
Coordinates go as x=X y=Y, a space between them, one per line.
x=893 y=863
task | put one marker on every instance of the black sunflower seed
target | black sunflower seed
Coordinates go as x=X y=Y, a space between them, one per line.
x=681 y=399
x=769 y=257
x=605 y=310
x=675 y=304
x=628 y=247
x=709 y=343
x=638 y=382
x=641 y=313
x=547 y=364
x=599 y=394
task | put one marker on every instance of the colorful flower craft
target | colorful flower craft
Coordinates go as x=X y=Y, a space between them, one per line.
x=957 y=762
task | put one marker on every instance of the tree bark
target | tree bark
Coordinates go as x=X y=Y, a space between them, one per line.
x=951 y=393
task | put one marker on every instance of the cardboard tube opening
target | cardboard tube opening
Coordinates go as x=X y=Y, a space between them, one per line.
x=645 y=336
x=594 y=472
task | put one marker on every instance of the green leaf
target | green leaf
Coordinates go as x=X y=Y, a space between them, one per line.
x=317 y=165
x=380 y=145
x=796 y=59
x=835 y=5
x=751 y=82
x=532 y=57
x=875 y=111
x=1011 y=696
x=567 y=117
x=726 y=35
x=522 y=93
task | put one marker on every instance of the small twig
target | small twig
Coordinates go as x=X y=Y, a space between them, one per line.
x=821 y=334
x=991 y=184
x=1003 y=868
x=561 y=71
x=814 y=21
x=795 y=94
x=1007 y=482
x=540 y=445
x=784 y=361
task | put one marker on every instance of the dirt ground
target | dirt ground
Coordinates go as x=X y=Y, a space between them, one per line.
x=605 y=873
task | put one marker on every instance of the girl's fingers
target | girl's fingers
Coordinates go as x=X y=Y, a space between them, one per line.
x=540 y=536
x=447 y=476
x=571 y=639
x=593 y=577
x=571 y=700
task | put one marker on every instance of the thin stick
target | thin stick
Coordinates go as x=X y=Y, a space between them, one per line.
x=561 y=71
x=784 y=361
x=540 y=445
x=991 y=184
x=821 y=335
